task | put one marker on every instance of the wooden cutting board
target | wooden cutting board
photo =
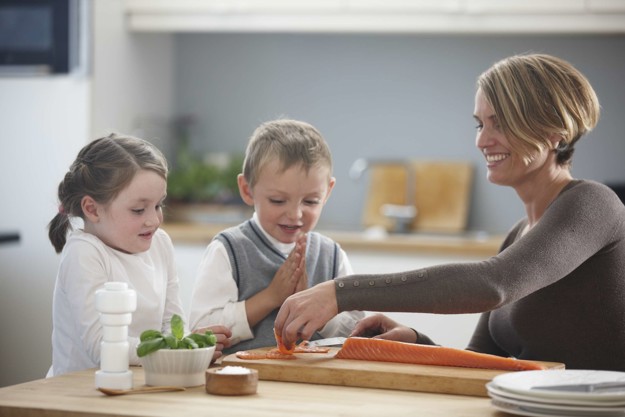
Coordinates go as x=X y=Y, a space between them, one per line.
x=442 y=194
x=322 y=368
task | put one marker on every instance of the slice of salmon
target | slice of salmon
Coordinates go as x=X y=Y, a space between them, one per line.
x=381 y=350
x=275 y=353
x=287 y=350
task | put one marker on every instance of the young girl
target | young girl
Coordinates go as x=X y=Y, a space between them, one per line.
x=117 y=186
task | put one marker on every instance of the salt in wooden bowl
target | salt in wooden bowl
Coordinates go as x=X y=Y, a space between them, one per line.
x=231 y=380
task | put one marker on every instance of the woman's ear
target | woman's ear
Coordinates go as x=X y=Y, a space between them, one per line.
x=555 y=140
x=245 y=190
x=90 y=209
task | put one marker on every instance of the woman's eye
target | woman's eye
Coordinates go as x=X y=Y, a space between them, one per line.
x=275 y=201
x=312 y=202
x=479 y=127
x=138 y=211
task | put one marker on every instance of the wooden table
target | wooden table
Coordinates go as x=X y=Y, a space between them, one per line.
x=75 y=395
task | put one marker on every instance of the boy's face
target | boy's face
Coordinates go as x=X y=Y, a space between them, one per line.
x=288 y=203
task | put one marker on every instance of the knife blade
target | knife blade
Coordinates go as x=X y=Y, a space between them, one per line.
x=330 y=341
x=591 y=388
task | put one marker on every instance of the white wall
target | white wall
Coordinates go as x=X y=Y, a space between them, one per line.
x=132 y=78
x=44 y=123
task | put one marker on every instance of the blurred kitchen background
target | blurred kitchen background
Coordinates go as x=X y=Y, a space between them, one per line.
x=386 y=82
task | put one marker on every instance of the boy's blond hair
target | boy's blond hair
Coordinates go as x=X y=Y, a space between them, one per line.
x=291 y=142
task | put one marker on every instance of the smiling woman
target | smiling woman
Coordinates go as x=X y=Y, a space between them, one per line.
x=552 y=292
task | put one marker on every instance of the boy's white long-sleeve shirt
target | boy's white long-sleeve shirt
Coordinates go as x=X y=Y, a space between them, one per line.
x=215 y=294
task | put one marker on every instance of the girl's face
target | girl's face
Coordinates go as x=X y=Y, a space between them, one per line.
x=505 y=166
x=288 y=203
x=129 y=222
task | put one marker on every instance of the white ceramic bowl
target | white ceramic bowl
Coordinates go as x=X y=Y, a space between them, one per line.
x=180 y=367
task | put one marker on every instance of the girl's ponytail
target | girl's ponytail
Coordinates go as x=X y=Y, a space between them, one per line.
x=57 y=230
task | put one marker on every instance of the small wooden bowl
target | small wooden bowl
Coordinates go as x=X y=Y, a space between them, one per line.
x=218 y=383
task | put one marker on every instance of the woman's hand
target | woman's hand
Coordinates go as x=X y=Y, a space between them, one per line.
x=305 y=312
x=380 y=326
x=223 y=335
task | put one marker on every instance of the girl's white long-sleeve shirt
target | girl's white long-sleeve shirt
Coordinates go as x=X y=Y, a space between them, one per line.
x=215 y=293
x=86 y=264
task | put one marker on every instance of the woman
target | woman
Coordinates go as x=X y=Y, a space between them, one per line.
x=556 y=290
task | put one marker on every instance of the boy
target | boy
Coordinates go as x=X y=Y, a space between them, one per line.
x=247 y=271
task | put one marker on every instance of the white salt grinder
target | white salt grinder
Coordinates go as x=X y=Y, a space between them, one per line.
x=115 y=303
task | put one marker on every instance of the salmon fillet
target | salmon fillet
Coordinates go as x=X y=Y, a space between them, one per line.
x=381 y=350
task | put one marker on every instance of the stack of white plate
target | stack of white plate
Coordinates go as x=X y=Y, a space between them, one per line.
x=516 y=393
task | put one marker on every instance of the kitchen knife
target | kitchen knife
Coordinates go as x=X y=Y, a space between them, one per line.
x=330 y=341
x=590 y=388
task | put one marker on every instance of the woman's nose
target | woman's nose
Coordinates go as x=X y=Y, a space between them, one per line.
x=483 y=139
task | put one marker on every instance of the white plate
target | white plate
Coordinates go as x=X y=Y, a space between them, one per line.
x=522 y=382
x=533 y=411
x=554 y=409
x=496 y=391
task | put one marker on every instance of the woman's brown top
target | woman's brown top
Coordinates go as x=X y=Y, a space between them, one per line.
x=556 y=293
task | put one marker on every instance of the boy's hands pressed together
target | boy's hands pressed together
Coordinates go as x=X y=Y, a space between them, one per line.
x=290 y=278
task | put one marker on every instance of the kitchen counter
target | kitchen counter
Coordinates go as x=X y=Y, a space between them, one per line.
x=453 y=244
x=75 y=395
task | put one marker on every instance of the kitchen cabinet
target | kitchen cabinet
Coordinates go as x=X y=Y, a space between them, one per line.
x=378 y=16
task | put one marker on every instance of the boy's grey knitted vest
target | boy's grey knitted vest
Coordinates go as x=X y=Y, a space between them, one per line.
x=255 y=261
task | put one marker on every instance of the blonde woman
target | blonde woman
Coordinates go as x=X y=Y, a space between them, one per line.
x=555 y=291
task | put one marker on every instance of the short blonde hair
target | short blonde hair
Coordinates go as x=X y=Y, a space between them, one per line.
x=291 y=142
x=536 y=96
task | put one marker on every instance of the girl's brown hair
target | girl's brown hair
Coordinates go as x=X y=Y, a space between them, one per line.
x=101 y=170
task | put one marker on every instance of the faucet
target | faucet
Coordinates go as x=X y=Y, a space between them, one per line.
x=402 y=215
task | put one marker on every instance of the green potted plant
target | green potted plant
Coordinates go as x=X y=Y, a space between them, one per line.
x=203 y=186
x=175 y=358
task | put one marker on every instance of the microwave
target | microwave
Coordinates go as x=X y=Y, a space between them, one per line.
x=39 y=36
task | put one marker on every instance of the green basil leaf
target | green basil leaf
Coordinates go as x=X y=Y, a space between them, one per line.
x=149 y=335
x=198 y=338
x=150 y=346
x=211 y=339
x=171 y=341
x=189 y=343
x=177 y=326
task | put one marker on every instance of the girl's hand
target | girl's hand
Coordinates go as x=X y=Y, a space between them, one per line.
x=223 y=335
x=380 y=326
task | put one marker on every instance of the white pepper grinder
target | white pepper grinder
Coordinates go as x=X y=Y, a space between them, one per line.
x=115 y=303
